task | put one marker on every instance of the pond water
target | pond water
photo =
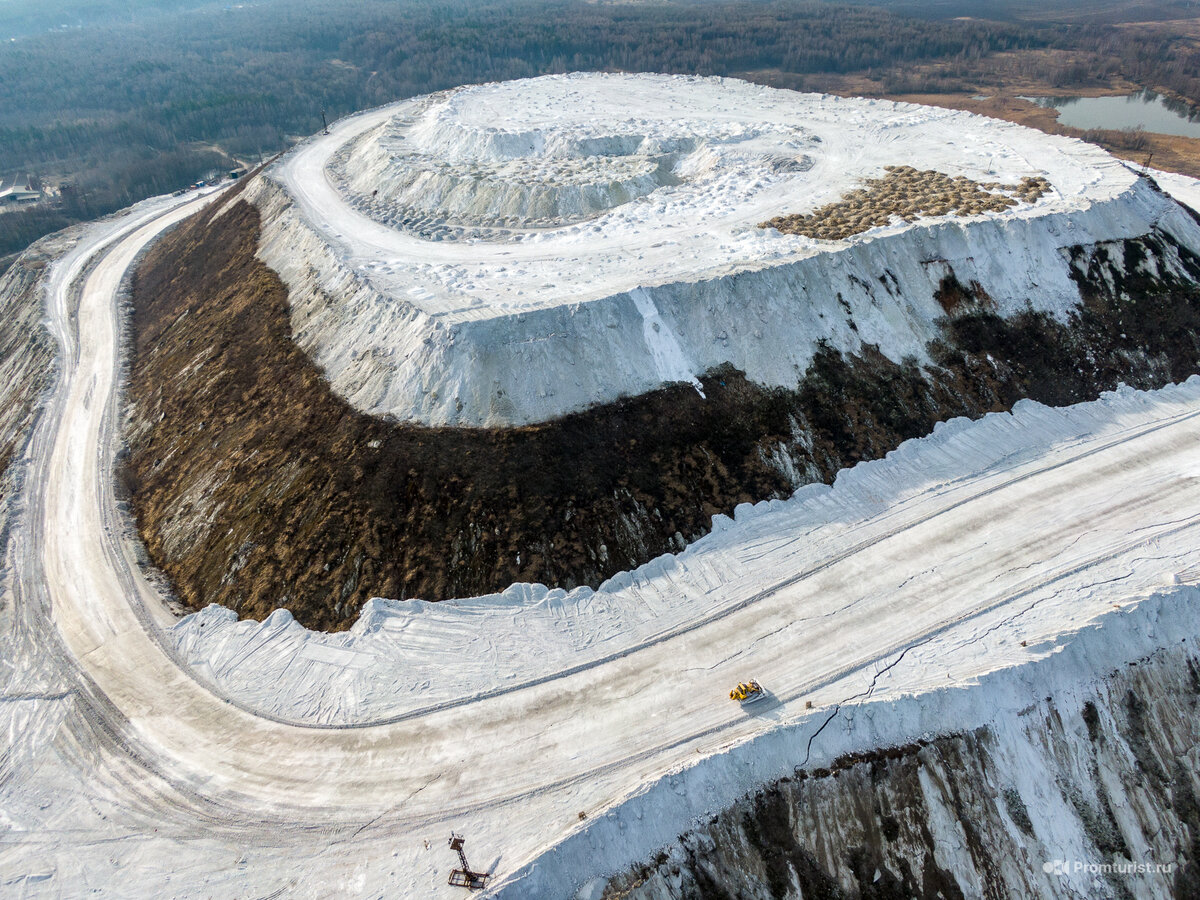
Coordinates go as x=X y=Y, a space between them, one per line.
x=1145 y=109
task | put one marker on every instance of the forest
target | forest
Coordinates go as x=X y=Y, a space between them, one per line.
x=146 y=97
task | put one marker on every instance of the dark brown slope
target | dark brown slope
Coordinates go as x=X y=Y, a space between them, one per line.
x=255 y=486
x=26 y=357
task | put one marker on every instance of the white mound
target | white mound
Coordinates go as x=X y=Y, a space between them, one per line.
x=509 y=253
x=559 y=151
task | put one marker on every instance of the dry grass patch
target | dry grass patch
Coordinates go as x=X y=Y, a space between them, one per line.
x=906 y=193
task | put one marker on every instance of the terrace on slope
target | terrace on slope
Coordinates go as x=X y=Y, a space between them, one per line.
x=256 y=486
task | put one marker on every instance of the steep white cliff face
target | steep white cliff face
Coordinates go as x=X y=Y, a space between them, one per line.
x=1090 y=792
x=1072 y=776
x=506 y=254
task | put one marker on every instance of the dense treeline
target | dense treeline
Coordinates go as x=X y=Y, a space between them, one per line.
x=270 y=70
x=130 y=109
x=1152 y=57
x=139 y=107
x=20 y=18
x=1050 y=11
x=127 y=175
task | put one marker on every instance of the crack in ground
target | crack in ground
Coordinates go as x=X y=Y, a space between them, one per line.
x=1004 y=623
x=863 y=694
x=375 y=820
x=719 y=662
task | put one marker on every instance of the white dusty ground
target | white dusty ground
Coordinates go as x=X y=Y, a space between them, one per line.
x=603 y=238
x=805 y=557
x=1182 y=188
x=912 y=582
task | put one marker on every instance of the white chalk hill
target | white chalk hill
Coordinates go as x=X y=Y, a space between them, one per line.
x=505 y=254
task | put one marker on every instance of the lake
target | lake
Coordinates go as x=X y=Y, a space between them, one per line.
x=1145 y=109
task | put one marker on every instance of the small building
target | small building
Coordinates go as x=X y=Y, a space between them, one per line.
x=20 y=189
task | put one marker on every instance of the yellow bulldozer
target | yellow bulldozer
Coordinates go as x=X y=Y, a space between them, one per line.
x=747 y=691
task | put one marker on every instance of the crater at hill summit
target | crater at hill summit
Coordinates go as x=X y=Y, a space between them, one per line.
x=544 y=330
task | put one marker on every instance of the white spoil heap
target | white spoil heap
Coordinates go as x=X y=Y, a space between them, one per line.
x=504 y=254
